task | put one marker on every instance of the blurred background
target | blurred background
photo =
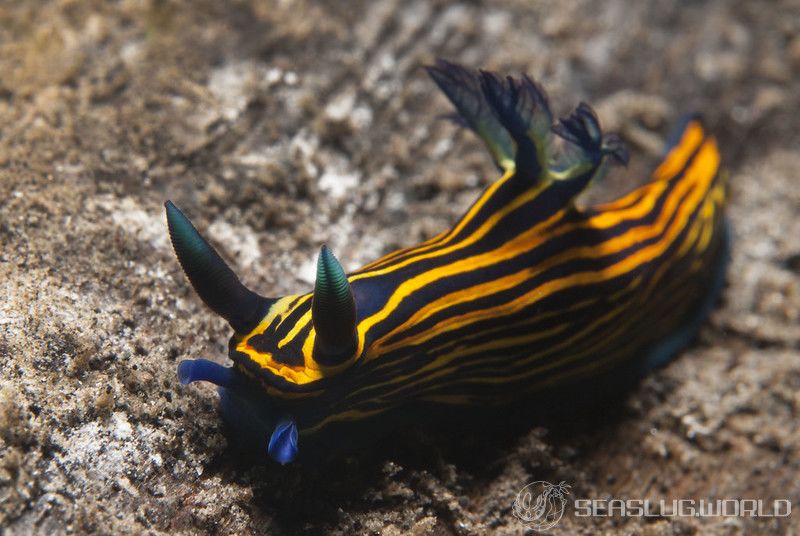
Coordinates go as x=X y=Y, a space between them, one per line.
x=281 y=125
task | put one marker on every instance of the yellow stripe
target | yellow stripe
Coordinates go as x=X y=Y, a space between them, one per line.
x=678 y=156
x=300 y=324
x=300 y=302
x=445 y=236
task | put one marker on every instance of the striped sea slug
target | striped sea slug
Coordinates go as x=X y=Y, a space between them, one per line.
x=526 y=292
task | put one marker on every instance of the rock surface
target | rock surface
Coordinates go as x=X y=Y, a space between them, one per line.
x=281 y=125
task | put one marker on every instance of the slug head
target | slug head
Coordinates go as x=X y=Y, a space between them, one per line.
x=269 y=363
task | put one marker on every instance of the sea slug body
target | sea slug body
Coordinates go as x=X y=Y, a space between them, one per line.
x=525 y=292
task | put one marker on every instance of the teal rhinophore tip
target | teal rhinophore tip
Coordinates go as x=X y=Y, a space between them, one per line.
x=333 y=311
x=211 y=277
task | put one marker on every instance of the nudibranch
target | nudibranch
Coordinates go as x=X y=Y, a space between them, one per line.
x=527 y=291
